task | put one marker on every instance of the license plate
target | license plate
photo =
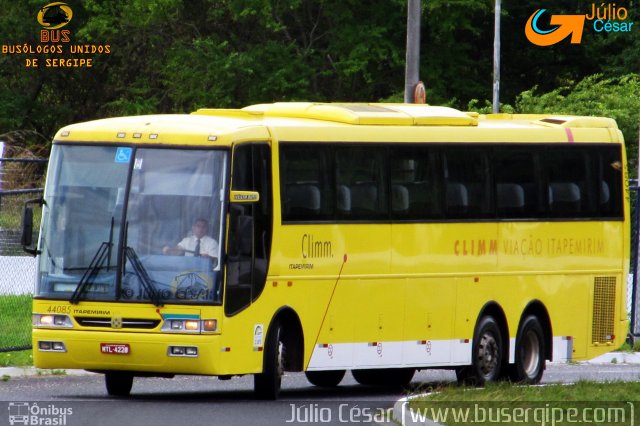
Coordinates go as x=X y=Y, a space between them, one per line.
x=115 y=348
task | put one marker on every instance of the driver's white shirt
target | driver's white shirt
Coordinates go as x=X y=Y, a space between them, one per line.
x=208 y=246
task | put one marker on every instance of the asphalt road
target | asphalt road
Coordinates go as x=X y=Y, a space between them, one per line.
x=194 y=401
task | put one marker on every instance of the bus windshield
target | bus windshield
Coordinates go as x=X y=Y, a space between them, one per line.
x=132 y=224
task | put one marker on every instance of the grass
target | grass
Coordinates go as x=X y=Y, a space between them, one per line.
x=11 y=211
x=16 y=359
x=54 y=372
x=15 y=320
x=10 y=215
x=504 y=391
x=626 y=347
x=11 y=223
x=506 y=403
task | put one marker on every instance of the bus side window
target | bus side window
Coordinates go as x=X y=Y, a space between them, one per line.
x=564 y=197
x=303 y=199
x=569 y=187
x=466 y=170
x=608 y=178
x=305 y=183
x=360 y=173
x=415 y=190
x=457 y=198
x=516 y=187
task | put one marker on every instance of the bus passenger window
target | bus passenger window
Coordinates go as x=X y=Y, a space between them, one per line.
x=608 y=176
x=399 y=199
x=564 y=197
x=415 y=193
x=509 y=198
x=569 y=186
x=466 y=170
x=360 y=174
x=303 y=199
x=516 y=187
x=304 y=181
x=457 y=198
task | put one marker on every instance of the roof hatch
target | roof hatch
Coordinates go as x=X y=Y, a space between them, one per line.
x=368 y=114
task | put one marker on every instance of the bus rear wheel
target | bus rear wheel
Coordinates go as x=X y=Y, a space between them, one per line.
x=326 y=379
x=118 y=383
x=486 y=355
x=530 y=352
x=392 y=377
x=267 y=384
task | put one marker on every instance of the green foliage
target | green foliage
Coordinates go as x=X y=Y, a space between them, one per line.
x=178 y=55
x=580 y=391
x=487 y=107
x=627 y=347
x=16 y=359
x=504 y=402
x=457 y=46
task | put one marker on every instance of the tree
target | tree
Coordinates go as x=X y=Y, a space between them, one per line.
x=179 y=55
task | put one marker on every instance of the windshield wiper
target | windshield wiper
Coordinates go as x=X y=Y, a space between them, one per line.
x=103 y=253
x=143 y=276
x=91 y=272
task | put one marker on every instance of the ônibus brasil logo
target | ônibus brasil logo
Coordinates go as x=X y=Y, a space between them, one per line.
x=606 y=18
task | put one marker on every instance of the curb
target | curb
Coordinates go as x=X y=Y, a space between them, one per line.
x=13 y=372
x=617 y=358
x=401 y=407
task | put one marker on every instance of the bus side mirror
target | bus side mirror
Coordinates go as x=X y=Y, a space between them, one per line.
x=27 y=227
x=244 y=197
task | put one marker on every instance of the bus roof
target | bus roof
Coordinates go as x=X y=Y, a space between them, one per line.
x=358 y=121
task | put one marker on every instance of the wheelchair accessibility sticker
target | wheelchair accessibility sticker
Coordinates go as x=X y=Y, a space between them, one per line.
x=123 y=155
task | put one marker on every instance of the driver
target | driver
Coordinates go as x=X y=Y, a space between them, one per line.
x=197 y=244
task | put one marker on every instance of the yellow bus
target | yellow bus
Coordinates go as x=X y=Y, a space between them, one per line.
x=376 y=238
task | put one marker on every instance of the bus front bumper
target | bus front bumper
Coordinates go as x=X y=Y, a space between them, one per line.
x=126 y=351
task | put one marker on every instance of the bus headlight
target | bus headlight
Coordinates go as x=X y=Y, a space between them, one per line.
x=210 y=325
x=190 y=351
x=48 y=346
x=48 y=320
x=190 y=326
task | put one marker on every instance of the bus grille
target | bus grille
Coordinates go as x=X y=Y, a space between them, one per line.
x=106 y=322
x=604 y=300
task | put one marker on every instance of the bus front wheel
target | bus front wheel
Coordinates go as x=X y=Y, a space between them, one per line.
x=326 y=379
x=118 y=383
x=530 y=352
x=267 y=384
x=486 y=355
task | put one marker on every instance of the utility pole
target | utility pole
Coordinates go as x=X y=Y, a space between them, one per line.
x=496 y=57
x=412 y=65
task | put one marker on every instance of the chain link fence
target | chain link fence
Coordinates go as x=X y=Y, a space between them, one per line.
x=20 y=180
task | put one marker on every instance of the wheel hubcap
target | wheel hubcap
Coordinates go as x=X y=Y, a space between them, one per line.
x=488 y=354
x=530 y=353
x=280 y=359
